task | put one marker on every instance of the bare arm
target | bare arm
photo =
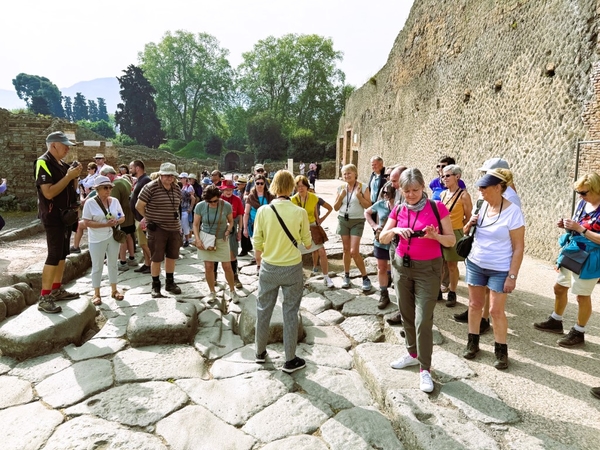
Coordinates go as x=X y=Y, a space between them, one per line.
x=517 y=240
x=49 y=191
x=328 y=207
x=467 y=203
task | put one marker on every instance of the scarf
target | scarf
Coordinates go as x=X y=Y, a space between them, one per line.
x=253 y=198
x=418 y=206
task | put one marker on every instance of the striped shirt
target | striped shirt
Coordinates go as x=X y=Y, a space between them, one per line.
x=162 y=205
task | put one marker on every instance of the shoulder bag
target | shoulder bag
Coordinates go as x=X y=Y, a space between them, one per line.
x=282 y=223
x=118 y=235
x=571 y=256
x=464 y=244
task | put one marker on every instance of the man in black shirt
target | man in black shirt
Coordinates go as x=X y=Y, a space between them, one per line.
x=56 y=183
x=138 y=170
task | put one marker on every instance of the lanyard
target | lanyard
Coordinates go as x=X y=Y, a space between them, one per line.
x=208 y=208
x=349 y=199
x=409 y=226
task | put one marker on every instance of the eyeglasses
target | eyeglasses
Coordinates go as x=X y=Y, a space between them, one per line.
x=212 y=201
x=448 y=175
x=106 y=187
x=582 y=193
x=260 y=184
x=439 y=166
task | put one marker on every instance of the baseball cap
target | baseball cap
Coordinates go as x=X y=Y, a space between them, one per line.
x=494 y=163
x=492 y=178
x=59 y=136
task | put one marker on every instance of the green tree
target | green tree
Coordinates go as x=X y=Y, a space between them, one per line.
x=136 y=116
x=214 y=145
x=236 y=120
x=101 y=127
x=265 y=137
x=193 y=81
x=93 y=110
x=30 y=86
x=68 y=107
x=296 y=78
x=102 y=112
x=80 y=108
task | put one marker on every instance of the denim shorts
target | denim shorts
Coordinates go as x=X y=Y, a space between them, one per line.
x=478 y=276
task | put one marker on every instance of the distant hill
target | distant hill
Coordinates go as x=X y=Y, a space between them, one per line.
x=10 y=100
x=107 y=88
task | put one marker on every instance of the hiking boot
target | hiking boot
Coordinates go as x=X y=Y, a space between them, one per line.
x=573 y=338
x=328 y=281
x=472 y=346
x=451 y=300
x=293 y=365
x=346 y=283
x=501 y=352
x=236 y=282
x=61 y=294
x=46 y=304
x=462 y=317
x=426 y=384
x=384 y=300
x=484 y=326
x=595 y=391
x=123 y=267
x=142 y=269
x=405 y=361
x=395 y=319
x=156 y=290
x=74 y=249
x=186 y=244
x=440 y=296
x=132 y=263
x=260 y=358
x=171 y=286
x=551 y=325
x=366 y=285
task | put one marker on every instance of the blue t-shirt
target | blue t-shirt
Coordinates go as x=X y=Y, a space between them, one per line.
x=437 y=187
x=383 y=211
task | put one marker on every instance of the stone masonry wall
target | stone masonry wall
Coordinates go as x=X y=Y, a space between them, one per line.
x=477 y=79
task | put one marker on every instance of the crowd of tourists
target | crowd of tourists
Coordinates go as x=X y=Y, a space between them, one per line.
x=418 y=241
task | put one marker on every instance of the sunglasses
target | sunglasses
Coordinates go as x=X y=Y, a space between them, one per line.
x=106 y=187
x=439 y=166
x=212 y=201
x=262 y=184
x=448 y=175
x=98 y=158
x=260 y=170
x=582 y=193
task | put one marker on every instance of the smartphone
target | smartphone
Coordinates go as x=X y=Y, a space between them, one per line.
x=419 y=233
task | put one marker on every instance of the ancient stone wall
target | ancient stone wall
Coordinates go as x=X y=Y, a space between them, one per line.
x=477 y=79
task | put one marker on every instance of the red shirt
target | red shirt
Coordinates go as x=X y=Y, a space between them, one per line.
x=236 y=205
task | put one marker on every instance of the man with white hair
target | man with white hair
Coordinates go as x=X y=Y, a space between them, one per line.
x=56 y=183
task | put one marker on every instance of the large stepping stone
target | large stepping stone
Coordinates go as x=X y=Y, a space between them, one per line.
x=301 y=442
x=247 y=322
x=89 y=432
x=363 y=328
x=14 y=391
x=166 y=321
x=34 y=333
x=14 y=299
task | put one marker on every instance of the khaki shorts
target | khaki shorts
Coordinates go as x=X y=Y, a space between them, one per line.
x=350 y=227
x=141 y=235
x=164 y=243
x=568 y=279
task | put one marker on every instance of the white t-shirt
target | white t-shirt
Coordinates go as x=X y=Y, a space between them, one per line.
x=492 y=248
x=92 y=211
x=354 y=209
x=511 y=195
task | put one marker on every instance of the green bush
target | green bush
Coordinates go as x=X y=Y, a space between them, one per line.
x=173 y=145
x=124 y=140
x=194 y=149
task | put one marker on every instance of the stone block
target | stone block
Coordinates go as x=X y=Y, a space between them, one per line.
x=2 y=311
x=13 y=299
x=166 y=321
x=247 y=322
x=30 y=296
x=34 y=333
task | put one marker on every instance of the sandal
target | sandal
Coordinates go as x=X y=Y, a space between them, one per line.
x=97 y=301
x=117 y=296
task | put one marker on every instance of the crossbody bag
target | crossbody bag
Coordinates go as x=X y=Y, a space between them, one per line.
x=118 y=235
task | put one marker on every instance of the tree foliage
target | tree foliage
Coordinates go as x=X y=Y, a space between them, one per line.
x=102 y=112
x=80 y=108
x=214 y=145
x=295 y=78
x=193 y=81
x=236 y=120
x=136 y=116
x=40 y=95
x=68 y=107
x=101 y=127
x=93 y=110
x=265 y=137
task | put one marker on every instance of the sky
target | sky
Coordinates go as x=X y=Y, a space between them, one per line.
x=69 y=41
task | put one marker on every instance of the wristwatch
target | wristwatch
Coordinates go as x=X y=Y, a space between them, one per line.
x=512 y=276
x=584 y=231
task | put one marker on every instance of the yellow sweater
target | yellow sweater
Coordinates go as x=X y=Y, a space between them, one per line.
x=270 y=239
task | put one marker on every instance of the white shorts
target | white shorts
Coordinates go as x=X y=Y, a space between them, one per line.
x=578 y=286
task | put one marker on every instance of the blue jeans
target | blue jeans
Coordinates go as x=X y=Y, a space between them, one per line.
x=478 y=276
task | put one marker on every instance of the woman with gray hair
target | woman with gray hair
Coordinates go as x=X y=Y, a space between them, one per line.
x=422 y=226
x=459 y=204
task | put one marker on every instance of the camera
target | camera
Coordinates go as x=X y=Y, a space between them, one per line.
x=406 y=261
x=74 y=164
x=346 y=217
x=151 y=226
x=419 y=233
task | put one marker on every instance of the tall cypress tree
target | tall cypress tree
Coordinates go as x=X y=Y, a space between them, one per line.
x=80 y=108
x=102 y=112
x=136 y=116
x=68 y=107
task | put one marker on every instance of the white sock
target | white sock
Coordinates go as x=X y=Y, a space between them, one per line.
x=555 y=316
x=579 y=328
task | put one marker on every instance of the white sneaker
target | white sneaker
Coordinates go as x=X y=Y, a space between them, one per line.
x=211 y=297
x=234 y=297
x=403 y=362
x=426 y=381
x=328 y=281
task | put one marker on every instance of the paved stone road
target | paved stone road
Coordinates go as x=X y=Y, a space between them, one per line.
x=108 y=394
